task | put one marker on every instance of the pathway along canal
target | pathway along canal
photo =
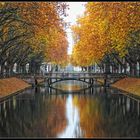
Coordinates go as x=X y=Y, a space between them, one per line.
x=94 y=112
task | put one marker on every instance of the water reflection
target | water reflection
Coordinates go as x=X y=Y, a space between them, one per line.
x=33 y=115
x=93 y=113
x=109 y=116
x=70 y=85
x=73 y=127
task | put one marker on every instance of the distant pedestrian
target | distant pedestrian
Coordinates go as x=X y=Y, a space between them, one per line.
x=35 y=81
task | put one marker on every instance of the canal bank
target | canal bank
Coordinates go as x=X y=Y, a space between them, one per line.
x=12 y=86
x=129 y=86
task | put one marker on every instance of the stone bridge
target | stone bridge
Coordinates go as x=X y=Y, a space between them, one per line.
x=89 y=78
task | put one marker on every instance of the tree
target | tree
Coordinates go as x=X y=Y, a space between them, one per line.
x=30 y=28
x=104 y=30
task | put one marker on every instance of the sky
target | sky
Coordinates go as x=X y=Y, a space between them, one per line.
x=75 y=9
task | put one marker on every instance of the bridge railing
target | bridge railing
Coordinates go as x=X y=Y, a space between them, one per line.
x=85 y=74
x=68 y=74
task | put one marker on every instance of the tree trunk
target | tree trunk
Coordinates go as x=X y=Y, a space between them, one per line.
x=121 y=69
x=7 y=71
x=125 y=68
x=2 y=70
x=139 y=69
x=131 y=69
x=135 y=69
x=23 y=69
x=107 y=68
x=107 y=65
x=11 y=69
x=17 y=68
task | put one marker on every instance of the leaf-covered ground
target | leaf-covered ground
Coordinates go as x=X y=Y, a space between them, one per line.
x=131 y=85
x=11 y=85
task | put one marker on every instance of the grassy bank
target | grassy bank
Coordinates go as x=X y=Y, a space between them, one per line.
x=131 y=85
x=12 y=85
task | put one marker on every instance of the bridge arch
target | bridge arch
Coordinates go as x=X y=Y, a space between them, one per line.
x=73 y=91
x=80 y=89
x=74 y=79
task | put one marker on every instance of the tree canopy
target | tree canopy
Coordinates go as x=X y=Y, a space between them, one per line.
x=104 y=28
x=32 y=32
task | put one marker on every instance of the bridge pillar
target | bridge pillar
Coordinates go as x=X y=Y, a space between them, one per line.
x=92 y=81
x=89 y=80
x=48 y=81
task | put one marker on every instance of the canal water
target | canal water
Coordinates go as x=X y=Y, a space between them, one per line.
x=72 y=111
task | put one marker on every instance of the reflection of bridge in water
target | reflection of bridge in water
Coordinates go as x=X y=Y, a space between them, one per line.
x=89 y=78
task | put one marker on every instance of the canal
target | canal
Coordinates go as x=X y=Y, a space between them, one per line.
x=70 y=110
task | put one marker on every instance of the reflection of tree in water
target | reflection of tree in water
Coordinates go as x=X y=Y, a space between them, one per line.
x=41 y=116
x=108 y=115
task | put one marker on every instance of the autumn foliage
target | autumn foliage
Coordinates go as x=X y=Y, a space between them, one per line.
x=32 y=32
x=104 y=27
